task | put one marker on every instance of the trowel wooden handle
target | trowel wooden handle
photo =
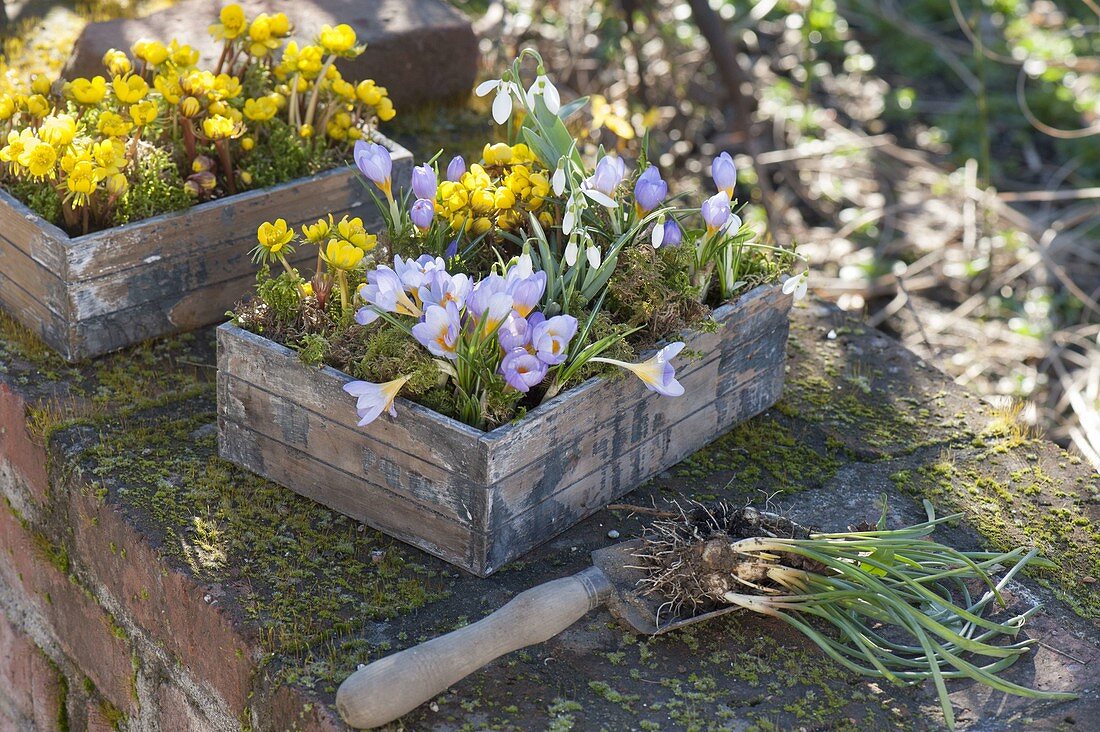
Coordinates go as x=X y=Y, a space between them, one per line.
x=397 y=684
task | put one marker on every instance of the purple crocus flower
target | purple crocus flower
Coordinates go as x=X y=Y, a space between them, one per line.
x=649 y=190
x=657 y=373
x=440 y=330
x=424 y=181
x=483 y=291
x=514 y=332
x=527 y=292
x=609 y=173
x=384 y=291
x=674 y=235
x=716 y=211
x=374 y=161
x=456 y=168
x=724 y=173
x=551 y=337
x=522 y=370
x=440 y=288
x=422 y=212
x=414 y=272
x=452 y=249
x=374 y=399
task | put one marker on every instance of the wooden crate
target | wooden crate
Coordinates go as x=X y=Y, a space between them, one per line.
x=481 y=499
x=87 y=295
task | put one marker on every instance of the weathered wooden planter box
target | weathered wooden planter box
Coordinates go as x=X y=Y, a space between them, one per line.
x=480 y=499
x=87 y=295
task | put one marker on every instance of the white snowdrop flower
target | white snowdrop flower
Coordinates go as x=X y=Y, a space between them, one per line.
x=502 y=103
x=797 y=285
x=544 y=88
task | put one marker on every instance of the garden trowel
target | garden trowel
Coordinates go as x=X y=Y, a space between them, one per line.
x=395 y=685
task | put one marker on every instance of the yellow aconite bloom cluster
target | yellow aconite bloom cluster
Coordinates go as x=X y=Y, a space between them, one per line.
x=262 y=109
x=342 y=255
x=266 y=33
x=353 y=232
x=153 y=53
x=338 y=40
x=498 y=192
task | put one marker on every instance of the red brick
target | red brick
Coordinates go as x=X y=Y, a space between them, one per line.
x=168 y=604
x=85 y=631
x=289 y=709
x=177 y=712
x=29 y=684
x=99 y=718
x=18 y=450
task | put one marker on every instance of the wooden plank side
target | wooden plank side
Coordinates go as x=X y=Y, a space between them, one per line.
x=222 y=224
x=449 y=444
x=540 y=434
x=749 y=392
x=28 y=307
x=345 y=448
x=30 y=233
x=728 y=387
x=350 y=495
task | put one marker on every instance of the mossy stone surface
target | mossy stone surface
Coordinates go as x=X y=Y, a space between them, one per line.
x=317 y=594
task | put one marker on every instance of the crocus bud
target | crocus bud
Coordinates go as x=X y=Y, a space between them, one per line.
x=422 y=213
x=424 y=181
x=716 y=212
x=674 y=235
x=724 y=173
x=456 y=168
x=650 y=190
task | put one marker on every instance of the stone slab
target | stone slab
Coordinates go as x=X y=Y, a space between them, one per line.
x=293 y=596
x=422 y=51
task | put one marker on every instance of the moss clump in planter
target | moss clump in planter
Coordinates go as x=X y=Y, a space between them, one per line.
x=515 y=277
x=155 y=133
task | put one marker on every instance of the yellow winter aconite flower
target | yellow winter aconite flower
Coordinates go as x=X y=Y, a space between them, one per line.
x=218 y=127
x=182 y=55
x=143 y=113
x=153 y=53
x=113 y=125
x=247 y=143
x=129 y=89
x=81 y=180
x=352 y=231
x=88 y=91
x=109 y=156
x=58 y=130
x=342 y=255
x=190 y=107
x=17 y=143
x=118 y=184
x=274 y=236
x=368 y=92
x=117 y=62
x=497 y=154
x=316 y=233
x=260 y=110
x=37 y=106
x=7 y=107
x=41 y=84
x=261 y=36
x=39 y=159
x=169 y=87
x=385 y=110
x=226 y=87
x=232 y=23
x=338 y=40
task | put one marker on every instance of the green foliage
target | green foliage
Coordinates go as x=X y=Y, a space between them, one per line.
x=38 y=197
x=281 y=156
x=155 y=188
x=312 y=348
x=280 y=294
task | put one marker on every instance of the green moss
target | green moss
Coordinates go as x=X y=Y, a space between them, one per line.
x=313 y=576
x=155 y=188
x=281 y=156
x=1011 y=492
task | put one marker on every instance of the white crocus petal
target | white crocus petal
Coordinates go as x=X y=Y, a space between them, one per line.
x=557 y=182
x=601 y=198
x=658 y=235
x=594 y=257
x=486 y=86
x=733 y=225
x=571 y=252
x=502 y=104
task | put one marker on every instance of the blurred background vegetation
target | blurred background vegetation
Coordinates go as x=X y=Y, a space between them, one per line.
x=936 y=160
